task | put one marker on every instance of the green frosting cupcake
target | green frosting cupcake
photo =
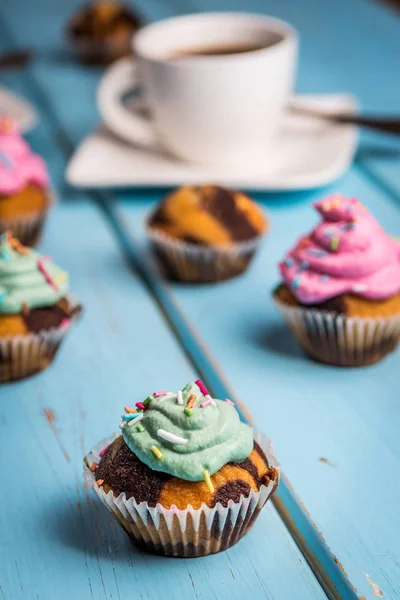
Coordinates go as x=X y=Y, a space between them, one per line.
x=28 y=278
x=187 y=434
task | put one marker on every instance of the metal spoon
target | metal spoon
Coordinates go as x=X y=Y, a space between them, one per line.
x=389 y=125
x=14 y=59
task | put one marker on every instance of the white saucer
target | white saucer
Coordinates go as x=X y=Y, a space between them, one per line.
x=309 y=153
x=18 y=109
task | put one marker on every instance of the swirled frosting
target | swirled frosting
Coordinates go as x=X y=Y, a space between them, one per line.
x=18 y=164
x=347 y=252
x=27 y=278
x=186 y=443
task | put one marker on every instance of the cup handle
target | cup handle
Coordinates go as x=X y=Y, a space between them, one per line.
x=120 y=78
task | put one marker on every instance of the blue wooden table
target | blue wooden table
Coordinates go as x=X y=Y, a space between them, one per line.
x=334 y=528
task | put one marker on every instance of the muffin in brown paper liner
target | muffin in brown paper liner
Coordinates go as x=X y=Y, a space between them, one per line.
x=194 y=264
x=338 y=339
x=27 y=228
x=25 y=354
x=101 y=32
x=26 y=220
x=205 y=234
x=188 y=532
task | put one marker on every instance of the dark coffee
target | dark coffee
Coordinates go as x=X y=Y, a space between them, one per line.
x=221 y=50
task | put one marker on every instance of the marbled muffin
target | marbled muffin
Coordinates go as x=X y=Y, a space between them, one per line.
x=206 y=233
x=184 y=458
x=35 y=310
x=341 y=286
x=101 y=31
x=25 y=195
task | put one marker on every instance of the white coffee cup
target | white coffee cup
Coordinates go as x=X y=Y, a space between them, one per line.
x=209 y=109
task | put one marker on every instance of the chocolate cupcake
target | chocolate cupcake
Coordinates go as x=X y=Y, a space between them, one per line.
x=341 y=287
x=25 y=194
x=206 y=233
x=101 y=31
x=35 y=309
x=185 y=478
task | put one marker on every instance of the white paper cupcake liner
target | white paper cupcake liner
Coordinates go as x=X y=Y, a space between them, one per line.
x=190 y=532
x=201 y=264
x=27 y=228
x=25 y=355
x=340 y=340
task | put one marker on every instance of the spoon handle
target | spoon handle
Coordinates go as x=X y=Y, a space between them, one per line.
x=14 y=59
x=386 y=124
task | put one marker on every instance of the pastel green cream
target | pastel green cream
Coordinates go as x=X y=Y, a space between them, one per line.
x=28 y=278
x=186 y=443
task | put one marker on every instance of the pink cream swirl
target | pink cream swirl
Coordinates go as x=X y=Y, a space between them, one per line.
x=18 y=164
x=348 y=252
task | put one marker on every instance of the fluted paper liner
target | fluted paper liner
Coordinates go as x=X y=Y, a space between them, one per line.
x=27 y=228
x=340 y=340
x=190 y=532
x=201 y=264
x=25 y=355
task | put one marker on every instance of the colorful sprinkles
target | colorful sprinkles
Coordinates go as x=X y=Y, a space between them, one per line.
x=6 y=124
x=288 y=262
x=206 y=403
x=137 y=418
x=326 y=206
x=304 y=265
x=335 y=243
x=46 y=274
x=102 y=452
x=208 y=397
x=201 y=387
x=5 y=160
x=61 y=277
x=316 y=252
x=208 y=481
x=296 y=283
x=360 y=287
x=171 y=437
x=132 y=416
x=191 y=401
x=64 y=323
x=17 y=246
x=157 y=452
x=100 y=482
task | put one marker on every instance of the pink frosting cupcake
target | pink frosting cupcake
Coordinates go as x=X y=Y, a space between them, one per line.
x=25 y=195
x=340 y=292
